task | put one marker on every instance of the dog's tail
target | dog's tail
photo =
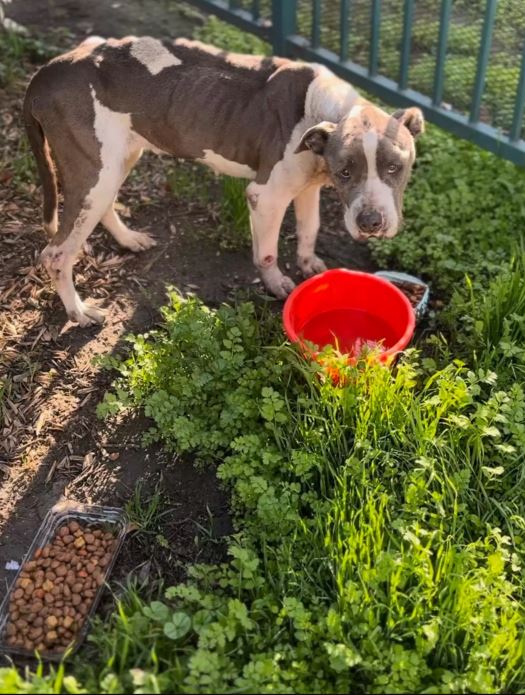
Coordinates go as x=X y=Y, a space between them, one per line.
x=46 y=169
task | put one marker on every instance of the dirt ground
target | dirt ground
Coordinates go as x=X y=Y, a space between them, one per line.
x=52 y=445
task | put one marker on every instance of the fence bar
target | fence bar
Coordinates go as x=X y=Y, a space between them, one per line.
x=316 y=23
x=374 y=37
x=343 y=29
x=439 y=76
x=483 y=59
x=519 y=109
x=284 y=23
x=406 y=43
x=256 y=10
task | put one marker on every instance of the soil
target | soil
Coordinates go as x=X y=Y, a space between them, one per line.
x=52 y=446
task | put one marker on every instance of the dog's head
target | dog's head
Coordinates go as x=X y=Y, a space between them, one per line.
x=369 y=156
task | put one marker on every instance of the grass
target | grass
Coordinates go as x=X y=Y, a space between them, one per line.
x=379 y=522
x=229 y=38
x=17 y=50
x=144 y=510
x=235 y=217
x=190 y=181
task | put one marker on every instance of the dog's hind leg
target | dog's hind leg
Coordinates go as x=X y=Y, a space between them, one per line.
x=78 y=219
x=91 y=164
x=126 y=237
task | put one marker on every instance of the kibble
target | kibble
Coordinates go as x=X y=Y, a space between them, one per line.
x=56 y=588
x=414 y=291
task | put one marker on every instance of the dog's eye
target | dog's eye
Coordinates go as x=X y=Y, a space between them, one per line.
x=345 y=173
x=393 y=168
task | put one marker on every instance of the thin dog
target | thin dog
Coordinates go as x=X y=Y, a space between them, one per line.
x=288 y=127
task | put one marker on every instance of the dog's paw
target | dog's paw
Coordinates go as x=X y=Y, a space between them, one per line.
x=137 y=241
x=278 y=284
x=86 y=315
x=311 y=265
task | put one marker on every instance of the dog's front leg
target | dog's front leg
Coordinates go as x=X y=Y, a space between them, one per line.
x=267 y=207
x=306 y=206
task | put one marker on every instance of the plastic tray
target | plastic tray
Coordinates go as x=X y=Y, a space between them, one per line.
x=108 y=518
x=392 y=275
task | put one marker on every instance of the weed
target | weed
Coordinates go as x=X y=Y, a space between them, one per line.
x=143 y=510
x=226 y=36
x=235 y=217
x=17 y=50
x=190 y=181
x=41 y=681
x=23 y=163
x=489 y=327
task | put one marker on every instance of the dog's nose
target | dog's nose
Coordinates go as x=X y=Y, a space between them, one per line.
x=369 y=221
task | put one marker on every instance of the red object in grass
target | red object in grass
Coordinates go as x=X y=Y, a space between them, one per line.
x=350 y=310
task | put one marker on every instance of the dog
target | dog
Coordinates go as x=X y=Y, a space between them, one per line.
x=287 y=126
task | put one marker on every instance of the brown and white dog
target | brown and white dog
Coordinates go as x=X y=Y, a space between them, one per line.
x=290 y=127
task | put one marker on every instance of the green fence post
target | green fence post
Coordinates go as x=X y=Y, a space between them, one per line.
x=519 y=108
x=316 y=24
x=374 y=38
x=284 y=21
x=483 y=59
x=408 y=20
x=439 y=76
x=343 y=29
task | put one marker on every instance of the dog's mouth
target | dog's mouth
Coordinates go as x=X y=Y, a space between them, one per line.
x=363 y=237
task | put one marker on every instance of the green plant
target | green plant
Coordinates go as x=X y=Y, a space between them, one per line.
x=190 y=181
x=22 y=162
x=226 y=36
x=489 y=327
x=235 y=217
x=380 y=522
x=144 y=510
x=16 y=50
x=41 y=681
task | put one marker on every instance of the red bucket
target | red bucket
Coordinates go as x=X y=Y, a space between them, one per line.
x=351 y=311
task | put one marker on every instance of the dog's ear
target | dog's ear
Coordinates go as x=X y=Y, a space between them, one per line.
x=315 y=138
x=412 y=118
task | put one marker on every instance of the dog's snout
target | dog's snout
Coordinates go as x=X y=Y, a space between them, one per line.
x=369 y=221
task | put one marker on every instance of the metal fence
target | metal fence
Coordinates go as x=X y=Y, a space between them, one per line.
x=461 y=61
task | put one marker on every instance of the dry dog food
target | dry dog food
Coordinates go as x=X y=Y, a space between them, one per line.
x=412 y=290
x=56 y=588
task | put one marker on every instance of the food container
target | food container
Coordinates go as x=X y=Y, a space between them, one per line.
x=397 y=279
x=108 y=520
